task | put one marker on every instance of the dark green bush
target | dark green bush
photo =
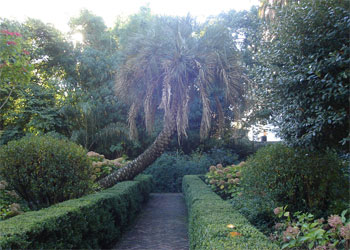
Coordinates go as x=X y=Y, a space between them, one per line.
x=258 y=210
x=44 y=170
x=210 y=217
x=305 y=181
x=169 y=169
x=92 y=222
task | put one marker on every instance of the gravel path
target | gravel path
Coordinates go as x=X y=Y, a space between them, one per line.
x=162 y=225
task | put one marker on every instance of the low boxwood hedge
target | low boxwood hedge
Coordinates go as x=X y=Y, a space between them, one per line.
x=93 y=221
x=209 y=217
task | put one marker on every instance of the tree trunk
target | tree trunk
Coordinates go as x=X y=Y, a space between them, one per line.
x=145 y=159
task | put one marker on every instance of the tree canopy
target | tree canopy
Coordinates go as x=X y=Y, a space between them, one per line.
x=302 y=72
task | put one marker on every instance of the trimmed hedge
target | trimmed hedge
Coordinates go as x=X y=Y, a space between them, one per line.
x=209 y=216
x=93 y=221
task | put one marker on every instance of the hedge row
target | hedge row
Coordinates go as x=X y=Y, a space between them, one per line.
x=209 y=217
x=93 y=221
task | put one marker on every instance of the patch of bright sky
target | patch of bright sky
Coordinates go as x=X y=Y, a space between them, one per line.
x=59 y=12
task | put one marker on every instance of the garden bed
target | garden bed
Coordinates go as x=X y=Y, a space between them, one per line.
x=93 y=221
x=214 y=224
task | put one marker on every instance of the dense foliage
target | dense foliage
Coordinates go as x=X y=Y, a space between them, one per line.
x=69 y=91
x=14 y=65
x=92 y=222
x=11 y=204
x=303 y=231
x=290 y=67
x=225 y=181
x=169 y=169
x=302 y=70
x=44 y=170
x=303 y=180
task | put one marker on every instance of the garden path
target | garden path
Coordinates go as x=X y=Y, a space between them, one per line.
x=161 y=225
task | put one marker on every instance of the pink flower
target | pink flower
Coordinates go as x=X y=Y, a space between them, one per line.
x=25 y=52
x=212 y=168
x=11 y=43
x=291 y=232
x=277 y=210
x=220 y=172
x=278 y=226
x=345 y=232
x=335 y=221
x=6 y=32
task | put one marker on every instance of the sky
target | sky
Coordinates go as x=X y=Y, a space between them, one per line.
x=59 y=12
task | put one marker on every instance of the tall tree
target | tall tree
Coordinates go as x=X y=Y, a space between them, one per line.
x=98 y=114
x=163 y=65
x=302 y=72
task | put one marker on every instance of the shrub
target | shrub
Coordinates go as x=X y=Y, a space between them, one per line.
x=303 y=231
x=10 y=203
x=101 y=167
x=91 y=222
x=214 y=224
x=169 y=169
x=305 y=181
x=44 y=170
x=225 y=181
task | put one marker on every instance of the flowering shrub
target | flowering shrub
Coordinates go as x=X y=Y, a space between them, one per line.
x=225 y=181
x=14 y=62
x=102 y=167
x=305 y=232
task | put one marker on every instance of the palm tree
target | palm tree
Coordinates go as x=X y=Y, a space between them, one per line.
x=163 y=66
x=267 y=9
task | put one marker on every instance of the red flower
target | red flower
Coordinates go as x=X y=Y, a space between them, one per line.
x=11 y=43
x=25 y=52
x=8 y=33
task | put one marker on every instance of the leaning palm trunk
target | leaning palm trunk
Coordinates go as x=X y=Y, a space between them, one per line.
x=145 y=159
x=166 y=65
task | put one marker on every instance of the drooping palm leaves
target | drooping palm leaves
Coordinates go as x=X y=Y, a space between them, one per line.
x=162 y=65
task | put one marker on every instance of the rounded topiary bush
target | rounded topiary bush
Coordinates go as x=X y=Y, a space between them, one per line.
x=303 y=180
x=44 y=170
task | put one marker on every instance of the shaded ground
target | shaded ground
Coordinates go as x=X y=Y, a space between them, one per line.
x=162 y=225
